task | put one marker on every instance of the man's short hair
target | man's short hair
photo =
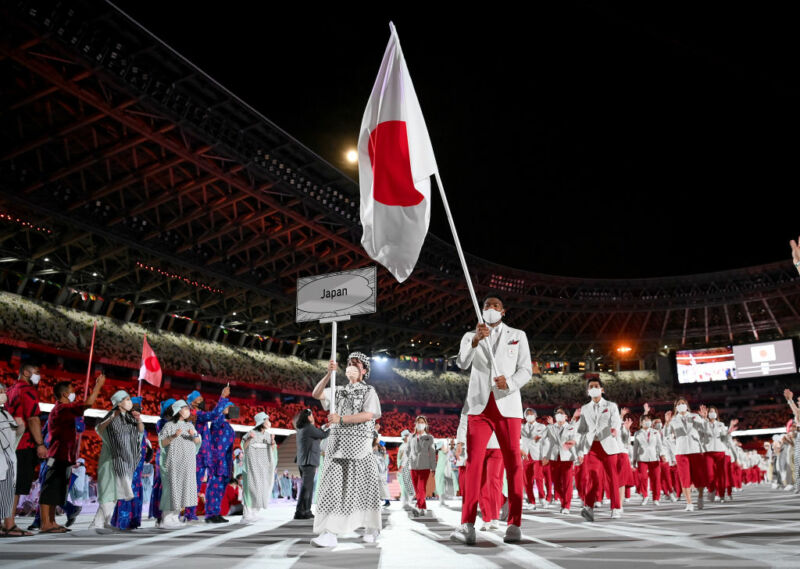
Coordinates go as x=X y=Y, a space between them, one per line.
x=597 y=379
x=61 y=388
x=493 y=295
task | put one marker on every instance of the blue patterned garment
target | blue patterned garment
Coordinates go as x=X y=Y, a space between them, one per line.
x=202 y=419
x=220 y=464
x=155 y=498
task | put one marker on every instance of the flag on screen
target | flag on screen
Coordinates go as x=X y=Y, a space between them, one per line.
x=395 y=163
x=150 y=370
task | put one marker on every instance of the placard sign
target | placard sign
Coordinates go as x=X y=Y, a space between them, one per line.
x=347 y=293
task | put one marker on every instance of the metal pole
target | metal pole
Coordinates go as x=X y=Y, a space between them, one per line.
x=457 y=242
x=334 y=327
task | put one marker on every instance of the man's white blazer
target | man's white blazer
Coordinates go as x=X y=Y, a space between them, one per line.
x=513 y=358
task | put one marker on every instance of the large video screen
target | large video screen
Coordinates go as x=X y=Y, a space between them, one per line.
x=705 y=364
x=765 y=359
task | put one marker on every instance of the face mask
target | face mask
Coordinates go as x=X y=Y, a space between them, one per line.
x=712 y=415
x=35 y=379
x=492 y=316
x=126 y=405
x=657 y=426
x=184 y=412
x=646 y=424
x=560 y=417
x=595 y=392
x=3 y=398
x=201 y=406
x=352 y=373
x=530 y=418
x=681 y=408
x=71 y=397
x=420 y=427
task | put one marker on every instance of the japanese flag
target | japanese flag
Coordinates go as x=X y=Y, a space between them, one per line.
x=150 y=370
x=395 y=163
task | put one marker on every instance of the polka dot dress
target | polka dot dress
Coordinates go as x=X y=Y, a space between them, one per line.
x=350 y=491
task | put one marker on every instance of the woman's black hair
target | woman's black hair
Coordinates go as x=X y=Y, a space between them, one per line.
x=302 y=419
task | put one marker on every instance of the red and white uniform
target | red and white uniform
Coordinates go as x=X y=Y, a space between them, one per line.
x=493 y=410
x=561 y=458
x=687 y=428
x=531 y=447
x=647 y=453
x=716 y=441
x=599 y=449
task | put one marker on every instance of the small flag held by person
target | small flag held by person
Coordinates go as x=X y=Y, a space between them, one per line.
x=395 y=163
x=150 y=370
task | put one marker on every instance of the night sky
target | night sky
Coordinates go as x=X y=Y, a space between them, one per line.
x=581 y=139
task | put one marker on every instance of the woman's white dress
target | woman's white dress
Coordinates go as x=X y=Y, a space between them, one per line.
x=259 y=470
x=180 y=465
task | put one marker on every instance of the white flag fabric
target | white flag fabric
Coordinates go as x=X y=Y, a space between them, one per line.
x=395 y=163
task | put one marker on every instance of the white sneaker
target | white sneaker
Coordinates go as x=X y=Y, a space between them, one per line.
x=565 y=511
x=645 y=501
x=626 y=500
x=465 y=533
x=495 y=524
x=774 y=485
x=673 y=497
x=717 y=499
x=656 y=502
x=487 y=525
x=689 y=508
x=699 y=502
x=172 y=522
x=598 y=505
x=606 y=501
x=788 y=487
x=370 y=536
x=616 y=514
x=326 y=539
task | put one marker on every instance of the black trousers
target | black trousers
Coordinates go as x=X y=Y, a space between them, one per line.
x=308 y=473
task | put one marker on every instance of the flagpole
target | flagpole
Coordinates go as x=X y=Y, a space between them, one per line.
x=139 y=393
x=460 y=252
x=89 y=368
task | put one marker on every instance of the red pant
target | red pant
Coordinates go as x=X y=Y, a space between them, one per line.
x=491 y=495
x=728 y=475
x=547 y=478
x=715 y=469
x=479 y=431
x=595 y=464
x=533 y=471
x=461 y=476
x=420 y=480
x=676 y=480
x=666 y=477
x=651 y=470
x=579 y=482
x=692 y=470
x=562 y=474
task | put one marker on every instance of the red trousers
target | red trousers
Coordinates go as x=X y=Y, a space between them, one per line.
x=666 y=477
x=479 y=431
x=579 y=481
x=651 y=471
x=595 y=464
x=461 y=475
x=562 y=474
x=728 y=475
x=533 y=471
x=715 y=469
x=547 y=477
x=692 y=470
x=737 y=475
x=420 y=480
x=491 y=495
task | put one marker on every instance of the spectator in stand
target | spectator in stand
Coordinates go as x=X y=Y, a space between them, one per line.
x=11 y=430
x=23 y=403
x=63 y=451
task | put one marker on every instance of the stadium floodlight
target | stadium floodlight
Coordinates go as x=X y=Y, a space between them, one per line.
x=352 y=156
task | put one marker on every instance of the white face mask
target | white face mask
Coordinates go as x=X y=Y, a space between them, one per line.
x=657 y=426
x=530 y=418
x=646 y=424
x=35 y=379
x=420 y=427
x=681 y=408
x=352 y=373
x=595 y=392
x=71 y=397
x=560 y=417
x=126 y=405
x=3 y=398
x=492 y=316
x=184 y=413
x=712 y=415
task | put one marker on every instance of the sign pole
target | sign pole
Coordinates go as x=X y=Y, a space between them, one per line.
x=334 y=331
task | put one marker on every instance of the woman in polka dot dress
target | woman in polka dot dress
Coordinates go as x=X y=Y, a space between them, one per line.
x=349 y=490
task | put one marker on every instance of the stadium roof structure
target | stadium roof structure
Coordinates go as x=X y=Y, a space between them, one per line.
x=130 y=177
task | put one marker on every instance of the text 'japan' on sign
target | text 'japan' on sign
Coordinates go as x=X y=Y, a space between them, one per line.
x=347 y=293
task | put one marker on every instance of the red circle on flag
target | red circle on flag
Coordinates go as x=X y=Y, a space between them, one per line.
x=152 y=364
x=392 y=181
